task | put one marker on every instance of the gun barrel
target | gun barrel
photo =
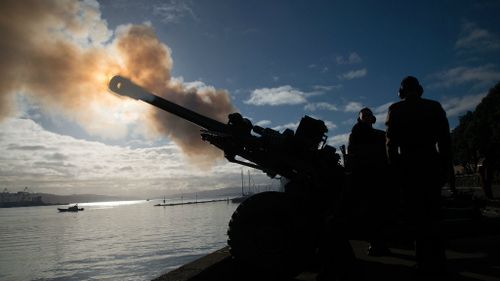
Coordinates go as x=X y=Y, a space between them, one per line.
x=125 y=87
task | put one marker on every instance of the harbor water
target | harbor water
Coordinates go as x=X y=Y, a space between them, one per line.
x=126 y=240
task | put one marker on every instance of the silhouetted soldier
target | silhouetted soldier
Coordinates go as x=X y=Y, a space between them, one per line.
x=419 y=150
x=370 y=192
x=364 y=208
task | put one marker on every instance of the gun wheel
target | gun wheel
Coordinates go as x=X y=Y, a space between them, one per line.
x=270 y=235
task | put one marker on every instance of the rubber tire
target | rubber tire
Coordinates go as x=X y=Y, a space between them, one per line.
x=270 y=235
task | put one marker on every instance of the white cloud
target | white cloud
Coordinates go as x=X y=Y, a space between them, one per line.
x=284 y=95
x=383 y=108
x=196 y=85
x=326 y=88
x=321 y=68
x=173 y=11
x=380 y=113
x=353 y=74
x=472 y=38
x=458 y=105
x=338 y=140
x=292 y=126
x=482 y=75
x=353 y=58
x=353 y=106
x=263 y=123
x=330 y=125
x=49 y=162
x=320 y=106
x=25 y=135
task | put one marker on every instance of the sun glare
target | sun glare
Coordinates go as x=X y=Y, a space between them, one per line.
x=128 y=111
x=102 y=78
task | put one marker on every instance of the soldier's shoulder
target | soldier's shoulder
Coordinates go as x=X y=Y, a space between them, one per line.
x=432 y=103
x=429 y=101
x=396 y=105
x=379 y=132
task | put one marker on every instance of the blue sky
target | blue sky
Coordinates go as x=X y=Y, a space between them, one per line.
x=331 y=53
x=278 y=60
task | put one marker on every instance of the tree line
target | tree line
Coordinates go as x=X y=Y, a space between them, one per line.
x=476 y=139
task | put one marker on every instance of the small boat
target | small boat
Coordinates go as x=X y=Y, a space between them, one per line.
x=71 y=209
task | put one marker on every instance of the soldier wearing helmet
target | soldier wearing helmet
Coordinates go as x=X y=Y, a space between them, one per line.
x=419 y=150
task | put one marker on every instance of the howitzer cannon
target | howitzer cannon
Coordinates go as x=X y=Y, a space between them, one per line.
x=278 y=232
x=275 y=232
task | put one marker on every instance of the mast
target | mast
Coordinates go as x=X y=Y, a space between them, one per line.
x=249 y=185
x=242 y=184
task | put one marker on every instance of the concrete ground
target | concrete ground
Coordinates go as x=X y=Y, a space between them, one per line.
x=469 y=259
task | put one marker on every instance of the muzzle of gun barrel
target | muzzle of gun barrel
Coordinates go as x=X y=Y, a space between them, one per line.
x=125 y=87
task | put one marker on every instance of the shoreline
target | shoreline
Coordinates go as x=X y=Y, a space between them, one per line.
x=19 y=205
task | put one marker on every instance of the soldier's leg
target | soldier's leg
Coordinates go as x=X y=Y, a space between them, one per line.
x=338 y=261
x=430 y=245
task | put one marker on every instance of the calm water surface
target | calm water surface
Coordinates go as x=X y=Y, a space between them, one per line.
x=128 y=240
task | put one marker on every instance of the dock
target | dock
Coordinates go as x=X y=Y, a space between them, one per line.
x=191 y=202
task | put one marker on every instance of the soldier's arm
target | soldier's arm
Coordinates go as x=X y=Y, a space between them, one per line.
x=444 y=146
x=444 y=136
x=391 y=138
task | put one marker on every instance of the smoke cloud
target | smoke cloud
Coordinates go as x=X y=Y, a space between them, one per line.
x=61 y=55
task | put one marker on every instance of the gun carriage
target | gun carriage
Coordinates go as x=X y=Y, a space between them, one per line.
x=270 y=231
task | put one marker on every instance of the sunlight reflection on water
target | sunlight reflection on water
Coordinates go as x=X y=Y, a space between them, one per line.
x=111 y=203
x=123 y=240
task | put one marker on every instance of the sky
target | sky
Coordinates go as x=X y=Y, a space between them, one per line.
x=62 y=131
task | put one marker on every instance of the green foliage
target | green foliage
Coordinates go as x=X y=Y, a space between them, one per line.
x=478 y=133
x=465 y=153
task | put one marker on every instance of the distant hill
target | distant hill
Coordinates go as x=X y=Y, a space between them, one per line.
x=227 y=192
x=221 y=192
x=80 y=198
x=216 y=193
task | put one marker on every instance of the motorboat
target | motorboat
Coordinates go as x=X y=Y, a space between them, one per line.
x=71 y=209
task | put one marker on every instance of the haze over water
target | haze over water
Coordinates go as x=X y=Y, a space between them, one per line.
x=127 y=240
